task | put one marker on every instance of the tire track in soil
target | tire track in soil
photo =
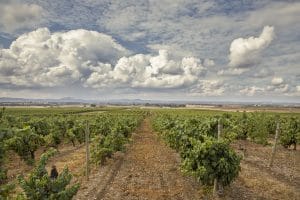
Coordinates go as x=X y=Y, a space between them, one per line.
x=148 y=170
x=279 y=177
x=110 y=178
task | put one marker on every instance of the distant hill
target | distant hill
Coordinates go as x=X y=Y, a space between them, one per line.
x=71 y=100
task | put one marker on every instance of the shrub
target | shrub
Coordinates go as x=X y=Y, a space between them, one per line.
x=211 y=160
x=290 y=133
x=40 y=186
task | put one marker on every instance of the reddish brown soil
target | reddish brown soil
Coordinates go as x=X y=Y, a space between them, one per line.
x=148 y=170
x=259 y=181
x=68 y=156
x=17 y=166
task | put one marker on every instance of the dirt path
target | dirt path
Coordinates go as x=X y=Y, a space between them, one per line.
x=148 y=170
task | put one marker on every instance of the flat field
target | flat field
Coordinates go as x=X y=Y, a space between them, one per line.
x=147 y=167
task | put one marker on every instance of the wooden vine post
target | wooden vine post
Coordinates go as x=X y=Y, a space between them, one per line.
x=87 y=150
x=216 y=184
x=275 y=144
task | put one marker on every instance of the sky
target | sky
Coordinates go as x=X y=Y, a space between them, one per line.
x=201 y=50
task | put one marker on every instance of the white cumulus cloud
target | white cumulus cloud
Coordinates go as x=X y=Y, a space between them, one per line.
x=91 y=59
x=277 y=81
x=245 y=52
x=279 y=85
x=42 y=58
x=149 y=71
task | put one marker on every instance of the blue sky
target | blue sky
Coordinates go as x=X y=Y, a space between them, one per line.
x=159 y=49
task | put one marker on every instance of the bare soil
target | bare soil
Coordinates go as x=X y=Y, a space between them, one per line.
x=67 y=156
x=15 y=165
x=148 y=170
x=259 y=181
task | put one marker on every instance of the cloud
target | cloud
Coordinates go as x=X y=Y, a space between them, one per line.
x=232 y=71
x=208 y=88
x=260 y=72
x=287 y=14
x=208 y=62
x=277 y=81
x=44 y=59
x=288 y=90
x=15 y=16
x=251 y=90
x=148 y=71
x=186 y=25
x=279 y=86
x=91 y=59
x=246 y=52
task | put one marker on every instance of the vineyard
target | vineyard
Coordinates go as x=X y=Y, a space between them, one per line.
x=205 y=142
x=25 y=133
x=219 y=153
